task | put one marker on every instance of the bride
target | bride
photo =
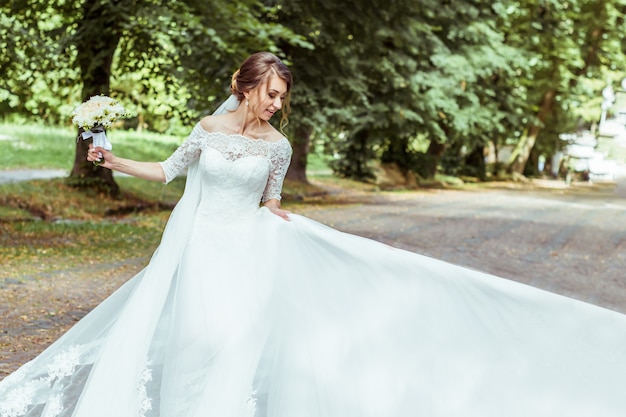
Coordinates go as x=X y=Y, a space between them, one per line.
x=248 y=310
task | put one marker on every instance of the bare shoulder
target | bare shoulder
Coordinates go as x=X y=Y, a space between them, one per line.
x=273 y=134
x=226 y=123
x=213 y=123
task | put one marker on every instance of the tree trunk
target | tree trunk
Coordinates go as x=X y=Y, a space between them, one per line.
x=434 y=152
x=356 y=157
x=96 y=40
x=300 y=145
x=519 y=158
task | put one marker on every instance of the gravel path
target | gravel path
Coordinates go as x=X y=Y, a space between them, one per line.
x=570 y=241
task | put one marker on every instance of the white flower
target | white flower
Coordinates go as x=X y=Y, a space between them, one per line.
x=98 y=111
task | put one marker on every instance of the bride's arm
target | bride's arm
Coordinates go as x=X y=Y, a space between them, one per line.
x=147 y=170
x=164 y=171
x=280 y=159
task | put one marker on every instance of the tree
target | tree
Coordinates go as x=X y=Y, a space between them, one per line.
x=29 y=40
x=421 y=85
x=569 y=42
x=191 y=46
x=95 y=49
x=453 y=75
x=392 y=71
x=322 y=70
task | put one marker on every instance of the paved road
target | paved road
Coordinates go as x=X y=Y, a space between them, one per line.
x=18 y=175
x=570 y=241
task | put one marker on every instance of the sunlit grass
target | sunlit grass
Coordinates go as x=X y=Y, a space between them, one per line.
x=53 y=147
x=36 y=146
x=151 y=190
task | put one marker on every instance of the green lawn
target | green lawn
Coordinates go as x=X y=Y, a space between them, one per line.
x=40 y=146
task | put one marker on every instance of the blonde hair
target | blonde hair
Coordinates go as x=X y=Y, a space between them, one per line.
x=255 y=70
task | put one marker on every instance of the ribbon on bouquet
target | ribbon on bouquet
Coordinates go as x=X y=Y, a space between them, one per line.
x=99 y=137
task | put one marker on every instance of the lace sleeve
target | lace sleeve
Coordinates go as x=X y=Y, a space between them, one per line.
x=280 y=159
x=186 y=153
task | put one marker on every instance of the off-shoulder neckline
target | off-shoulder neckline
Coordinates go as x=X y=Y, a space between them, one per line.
x=237 y=135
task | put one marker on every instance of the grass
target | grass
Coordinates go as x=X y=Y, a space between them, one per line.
x=45 y=147
x=33 y=146
x=40 y=146
x=54 y=199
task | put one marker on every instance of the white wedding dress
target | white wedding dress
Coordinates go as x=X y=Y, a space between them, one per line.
x=243 y=314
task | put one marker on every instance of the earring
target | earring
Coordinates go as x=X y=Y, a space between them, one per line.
x=247 y=102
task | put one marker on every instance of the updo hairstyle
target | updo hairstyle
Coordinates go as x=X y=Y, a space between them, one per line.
x=255 y=70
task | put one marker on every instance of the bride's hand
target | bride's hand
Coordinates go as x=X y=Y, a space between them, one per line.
x=101 y=155
x=274 y=207
x=280 y=213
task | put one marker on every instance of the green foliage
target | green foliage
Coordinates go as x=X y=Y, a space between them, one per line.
x=38 y=77
x=394 y=71
x=173 y=61
x=370 y=77
x=572 y=46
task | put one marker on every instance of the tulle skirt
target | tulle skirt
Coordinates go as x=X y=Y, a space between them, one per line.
x=267 y=318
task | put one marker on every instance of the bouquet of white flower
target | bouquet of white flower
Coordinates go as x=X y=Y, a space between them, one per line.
x=96 y=114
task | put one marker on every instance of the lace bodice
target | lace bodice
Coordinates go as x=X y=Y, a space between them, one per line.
x=232 y=147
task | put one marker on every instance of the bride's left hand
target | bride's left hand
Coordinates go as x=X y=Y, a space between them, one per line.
x=281 y=213
x=274 y=207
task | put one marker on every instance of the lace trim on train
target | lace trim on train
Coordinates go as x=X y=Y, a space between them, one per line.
x=251 y=403
x=47 y=390
x=145 y=403
x=18 y=401
x=64 y=363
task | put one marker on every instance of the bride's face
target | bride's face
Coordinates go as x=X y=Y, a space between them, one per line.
x=268 y=97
